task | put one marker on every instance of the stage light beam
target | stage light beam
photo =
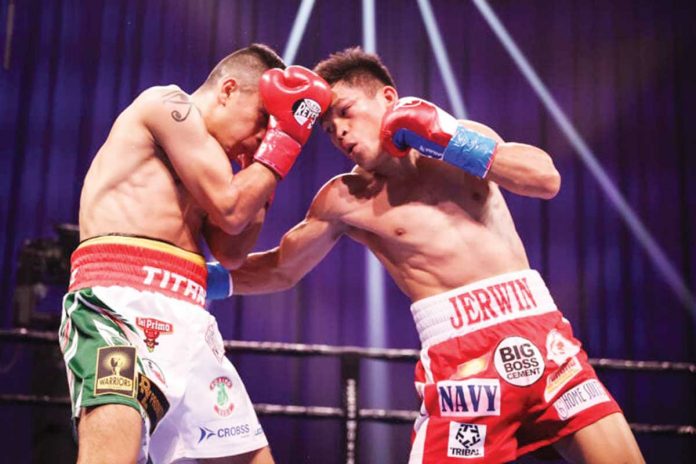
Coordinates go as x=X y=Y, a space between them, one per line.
x=297 y=32
x=669 y=273
x=442 y=59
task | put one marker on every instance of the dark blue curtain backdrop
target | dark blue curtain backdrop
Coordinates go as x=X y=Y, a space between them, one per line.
x=620 y=69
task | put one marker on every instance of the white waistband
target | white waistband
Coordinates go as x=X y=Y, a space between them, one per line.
x=481 y=304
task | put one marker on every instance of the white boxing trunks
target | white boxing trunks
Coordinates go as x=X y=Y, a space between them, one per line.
x=135 y=331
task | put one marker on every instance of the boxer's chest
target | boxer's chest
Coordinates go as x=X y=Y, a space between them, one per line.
x=436 y=204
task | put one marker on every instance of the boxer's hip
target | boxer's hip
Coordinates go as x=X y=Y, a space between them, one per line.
x=482 y=304
x=140 y=263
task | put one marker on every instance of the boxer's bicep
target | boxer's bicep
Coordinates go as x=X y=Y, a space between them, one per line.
x=280 y=268
x=199 y=161
x=305 y=245
x=300 y=249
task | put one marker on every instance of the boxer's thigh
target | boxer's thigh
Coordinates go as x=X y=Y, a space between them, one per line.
x=609 y=440
x=261 y=456
x=109 y=433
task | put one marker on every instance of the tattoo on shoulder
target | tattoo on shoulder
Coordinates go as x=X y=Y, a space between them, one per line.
x=182 y=104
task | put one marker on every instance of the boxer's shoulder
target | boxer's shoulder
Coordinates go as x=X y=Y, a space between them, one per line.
x=358 y=184
x=155 y=96
x=165 y=100
x=172 y=118
x=159 y=92
x=344 y=193
x=152 y=108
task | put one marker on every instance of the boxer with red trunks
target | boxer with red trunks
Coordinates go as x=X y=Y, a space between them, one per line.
x=146 y=366
x=500 y=372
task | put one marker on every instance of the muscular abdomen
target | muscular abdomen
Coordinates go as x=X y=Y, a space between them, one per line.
x=130 y=188
x=443 y=233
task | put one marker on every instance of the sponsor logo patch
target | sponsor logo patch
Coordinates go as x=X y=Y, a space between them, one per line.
x=153 y=401
x=560 y=377
x=222 y=389
x=306 y=110
x=232 y=431
x=214 y=341
x=152 y=329
x=154 y=370
x=584 y=396
x=518 y=361
x=115 y=371
x=466 y=441
x=469 y=398
x=559 y=348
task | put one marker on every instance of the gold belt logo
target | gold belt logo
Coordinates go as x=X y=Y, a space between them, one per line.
x=115 y=371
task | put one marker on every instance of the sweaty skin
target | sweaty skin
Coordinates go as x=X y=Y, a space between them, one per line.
x=433 y=226
x=164 y=172
x=433 y=229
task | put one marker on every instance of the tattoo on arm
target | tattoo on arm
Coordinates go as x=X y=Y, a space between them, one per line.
x=179 y=98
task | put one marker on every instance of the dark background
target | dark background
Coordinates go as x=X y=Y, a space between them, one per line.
x=621 y=70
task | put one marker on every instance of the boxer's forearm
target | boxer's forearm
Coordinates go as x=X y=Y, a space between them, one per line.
x=300 y=250
x=249 y=191
x=260 y=273
x=524 y=170
x=231 y=250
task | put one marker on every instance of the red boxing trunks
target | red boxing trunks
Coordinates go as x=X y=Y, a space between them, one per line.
x=500 y=373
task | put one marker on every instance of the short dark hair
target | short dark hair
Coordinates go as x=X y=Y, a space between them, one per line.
x=247 y=63
x=356 y=68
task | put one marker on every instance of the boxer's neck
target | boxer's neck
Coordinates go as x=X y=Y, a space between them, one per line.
x=204 y=100
x=398 y=167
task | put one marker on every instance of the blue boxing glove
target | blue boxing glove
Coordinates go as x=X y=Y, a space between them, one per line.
x=219 y=284
x=418 y=124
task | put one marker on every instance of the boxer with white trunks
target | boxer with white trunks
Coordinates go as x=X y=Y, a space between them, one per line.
x=500 y=372
x=146 y=365
x=136 y=333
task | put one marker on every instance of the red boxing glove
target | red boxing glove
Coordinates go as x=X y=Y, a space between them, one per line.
x=294 y=98
x=416 y=123
x=417 y=117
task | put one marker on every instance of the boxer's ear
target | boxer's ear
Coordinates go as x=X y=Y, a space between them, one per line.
x=227 y=87
x=389 y=95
